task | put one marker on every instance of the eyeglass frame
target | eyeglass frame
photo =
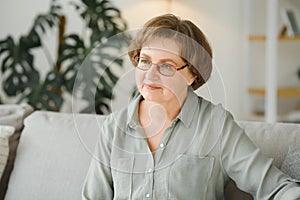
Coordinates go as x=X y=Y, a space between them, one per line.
x=158 y=65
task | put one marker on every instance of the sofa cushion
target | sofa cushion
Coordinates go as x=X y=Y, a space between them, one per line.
x=14 y=114
x=53 y=156
x=5 y=133
x=291 y=163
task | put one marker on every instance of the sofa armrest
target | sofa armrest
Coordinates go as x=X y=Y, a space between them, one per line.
x=12 y=115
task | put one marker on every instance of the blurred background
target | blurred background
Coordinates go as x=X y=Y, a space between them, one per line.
x=256 y=51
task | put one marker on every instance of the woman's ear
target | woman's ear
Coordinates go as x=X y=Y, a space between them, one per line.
x=191 y=78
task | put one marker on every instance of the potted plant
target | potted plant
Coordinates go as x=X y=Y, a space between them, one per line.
x=22 y=78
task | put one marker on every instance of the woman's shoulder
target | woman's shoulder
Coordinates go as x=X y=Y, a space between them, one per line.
x=116 y=115
x=123 y=115
x=210 y=107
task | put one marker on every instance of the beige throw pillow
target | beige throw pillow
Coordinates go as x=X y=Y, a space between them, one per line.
x=291 y=163
x=5 y=133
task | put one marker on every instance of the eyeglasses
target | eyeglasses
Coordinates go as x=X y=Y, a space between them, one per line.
x=163 y=68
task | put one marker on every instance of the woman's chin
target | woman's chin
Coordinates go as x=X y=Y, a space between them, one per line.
x=153 y=96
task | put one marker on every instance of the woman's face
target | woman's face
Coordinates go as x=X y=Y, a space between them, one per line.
x=156 y=87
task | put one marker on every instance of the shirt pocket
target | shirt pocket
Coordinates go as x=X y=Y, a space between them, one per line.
x=122 y=177
x=189 y=176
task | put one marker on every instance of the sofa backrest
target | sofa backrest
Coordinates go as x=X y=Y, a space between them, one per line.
x=273 y=140
x=56 y=148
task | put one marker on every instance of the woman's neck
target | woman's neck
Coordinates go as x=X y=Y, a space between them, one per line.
x=150 y=111
x=158 y=110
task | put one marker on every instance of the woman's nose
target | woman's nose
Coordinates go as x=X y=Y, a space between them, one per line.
x=152 y=72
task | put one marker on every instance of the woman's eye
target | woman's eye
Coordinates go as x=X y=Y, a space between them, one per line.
x=144 y=61
x=166 y=67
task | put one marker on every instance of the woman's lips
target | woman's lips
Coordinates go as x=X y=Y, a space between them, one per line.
x=151 y=87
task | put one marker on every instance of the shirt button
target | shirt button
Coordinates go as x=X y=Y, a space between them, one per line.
x=132 y=124
x=147 y=195
x=150 y=170
x=161 y=145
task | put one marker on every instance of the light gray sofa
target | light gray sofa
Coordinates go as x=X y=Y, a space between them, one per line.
x=55 y=150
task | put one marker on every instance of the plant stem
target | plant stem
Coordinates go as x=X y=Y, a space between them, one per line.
x=61 y=33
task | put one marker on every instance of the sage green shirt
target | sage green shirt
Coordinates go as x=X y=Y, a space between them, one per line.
x=198 y=154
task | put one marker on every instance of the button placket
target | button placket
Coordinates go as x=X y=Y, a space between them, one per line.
x=163 y=142
x=149 y=175
x=153 y=162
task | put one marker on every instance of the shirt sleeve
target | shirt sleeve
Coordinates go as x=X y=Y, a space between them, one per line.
x=251 y=171
x=98 y=184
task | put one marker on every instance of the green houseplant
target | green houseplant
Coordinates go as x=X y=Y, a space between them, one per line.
x=22 y=79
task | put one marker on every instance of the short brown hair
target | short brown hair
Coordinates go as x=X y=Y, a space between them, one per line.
x=195 y=49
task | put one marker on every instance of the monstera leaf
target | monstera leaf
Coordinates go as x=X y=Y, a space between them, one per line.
x=72 y=52
x=47 y=95
x=102 y=18
x=91 y=59
x=92 y=70
x=22 y=80
x=20 y=76
x=17 y=67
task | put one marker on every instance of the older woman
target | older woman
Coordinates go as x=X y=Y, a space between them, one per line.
x=169 y=143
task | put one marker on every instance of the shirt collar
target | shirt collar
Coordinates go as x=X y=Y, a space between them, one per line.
x=189 y=107
x=186 y=115
x=132 y=113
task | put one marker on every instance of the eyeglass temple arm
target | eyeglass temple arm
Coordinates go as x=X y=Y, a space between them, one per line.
x=180 y=68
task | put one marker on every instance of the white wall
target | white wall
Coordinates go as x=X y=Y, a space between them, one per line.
x=223 y=25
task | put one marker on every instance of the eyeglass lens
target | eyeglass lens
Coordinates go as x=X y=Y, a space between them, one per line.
x=163 y=68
